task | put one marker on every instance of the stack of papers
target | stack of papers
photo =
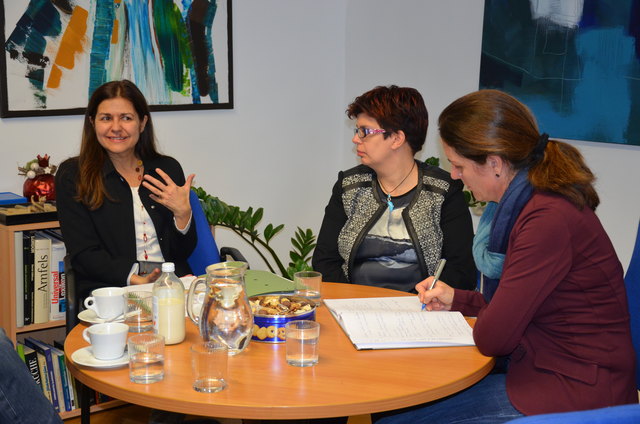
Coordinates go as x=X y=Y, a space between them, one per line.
x=398 y=322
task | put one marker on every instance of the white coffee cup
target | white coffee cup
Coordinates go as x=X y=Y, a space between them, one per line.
x=107 y=340
x=107 y=302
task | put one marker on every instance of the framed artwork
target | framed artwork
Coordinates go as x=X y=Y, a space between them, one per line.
x=574 y=63
x=57 y=52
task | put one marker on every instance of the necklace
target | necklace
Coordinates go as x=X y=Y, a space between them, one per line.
x=139 y=169
x=389 y=202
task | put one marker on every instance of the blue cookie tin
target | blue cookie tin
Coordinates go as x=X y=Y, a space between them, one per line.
x=270 y=328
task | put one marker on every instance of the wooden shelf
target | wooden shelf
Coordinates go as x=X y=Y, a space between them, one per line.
x=94 y=408
x=38 y=327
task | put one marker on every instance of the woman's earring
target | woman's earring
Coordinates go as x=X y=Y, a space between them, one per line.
x=497 y=175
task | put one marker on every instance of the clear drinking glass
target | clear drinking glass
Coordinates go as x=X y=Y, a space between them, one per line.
x=209 y=365
x=139 y=315
x=146 y=358
x=302 y=343
x=307 y=284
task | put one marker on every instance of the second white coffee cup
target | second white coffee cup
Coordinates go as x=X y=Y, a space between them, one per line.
x=107 y=340
x=107 y=302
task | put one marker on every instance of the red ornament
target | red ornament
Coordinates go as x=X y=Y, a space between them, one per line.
x=40 y=185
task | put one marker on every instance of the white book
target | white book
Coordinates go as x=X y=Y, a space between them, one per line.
x=42 y=275
x=57 y=299
x=17 y=244
x=398 y=322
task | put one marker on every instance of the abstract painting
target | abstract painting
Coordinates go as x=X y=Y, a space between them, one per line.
x=575 y=63
x=57 y=52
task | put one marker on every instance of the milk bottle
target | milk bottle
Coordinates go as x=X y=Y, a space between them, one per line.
x=168 y=306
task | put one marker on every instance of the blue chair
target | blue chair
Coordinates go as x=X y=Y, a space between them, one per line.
x=206 y=251
x=632 y=283
x=623 y=414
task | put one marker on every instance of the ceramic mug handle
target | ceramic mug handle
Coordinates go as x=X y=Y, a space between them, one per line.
x=85 y=336
x=90 y=303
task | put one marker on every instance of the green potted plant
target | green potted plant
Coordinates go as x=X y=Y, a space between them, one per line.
x=244 y=224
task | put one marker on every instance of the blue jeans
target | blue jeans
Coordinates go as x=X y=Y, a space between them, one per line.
x=21 y=400
x=486 y=402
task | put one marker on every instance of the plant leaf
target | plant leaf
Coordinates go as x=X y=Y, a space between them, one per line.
x=268 y=232
x=433 y=161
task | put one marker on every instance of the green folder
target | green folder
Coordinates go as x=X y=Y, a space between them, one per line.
x=263 y=282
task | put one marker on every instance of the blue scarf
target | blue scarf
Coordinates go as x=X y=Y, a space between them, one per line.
x=492 y=237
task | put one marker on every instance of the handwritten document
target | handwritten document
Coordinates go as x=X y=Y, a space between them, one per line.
x=398 y=322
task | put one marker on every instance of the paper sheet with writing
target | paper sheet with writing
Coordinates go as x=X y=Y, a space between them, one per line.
x=398 y=322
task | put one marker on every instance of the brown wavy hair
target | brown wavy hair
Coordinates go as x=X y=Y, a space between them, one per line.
x=490 y=122
x=396 y=109
x=90 y=184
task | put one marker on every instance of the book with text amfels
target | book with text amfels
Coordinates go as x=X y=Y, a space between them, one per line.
x=398 y=322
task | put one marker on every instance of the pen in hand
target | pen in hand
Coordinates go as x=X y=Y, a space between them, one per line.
x=436 y=276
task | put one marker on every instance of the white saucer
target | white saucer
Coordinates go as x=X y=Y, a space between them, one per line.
x=85 y=357
x=90 y=316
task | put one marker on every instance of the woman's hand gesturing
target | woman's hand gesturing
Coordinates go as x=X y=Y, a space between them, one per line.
x=173 y=197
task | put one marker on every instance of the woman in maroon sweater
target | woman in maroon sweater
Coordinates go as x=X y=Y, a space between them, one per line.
x=558 y=310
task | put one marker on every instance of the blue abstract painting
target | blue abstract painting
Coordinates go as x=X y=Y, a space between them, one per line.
x=575 y=63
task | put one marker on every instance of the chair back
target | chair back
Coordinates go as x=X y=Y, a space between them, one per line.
x=206 y=251
x=73 y=308
x=632 y=283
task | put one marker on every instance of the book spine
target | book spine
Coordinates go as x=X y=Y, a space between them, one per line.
x=57 y=293
x=44 y=379
x=51 y=376
x=20 y=351
x=42 y=260
x=54 y=294
x=64 y=383
x=31 y=359
x=28 y=246
x=63 y=288
x=70 y=381
x=18 y=257
x=57 y=375
x=75 y=402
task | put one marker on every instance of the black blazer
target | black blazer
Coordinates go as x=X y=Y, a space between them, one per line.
x=101 y=243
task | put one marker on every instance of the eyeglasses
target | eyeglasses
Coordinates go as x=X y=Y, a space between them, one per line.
x=363 y=132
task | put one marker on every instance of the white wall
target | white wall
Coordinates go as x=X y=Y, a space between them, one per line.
x=297 y=64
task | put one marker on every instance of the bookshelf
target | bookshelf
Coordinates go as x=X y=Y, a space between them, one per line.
x=8 y=283
x=48 y=331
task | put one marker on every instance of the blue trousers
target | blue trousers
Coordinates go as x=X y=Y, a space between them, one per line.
x=21 y=400
x=486 y=402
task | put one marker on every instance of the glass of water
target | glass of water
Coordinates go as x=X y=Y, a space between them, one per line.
x=146 y=358
x=209 y=365
x=307 y=284
x=302 y=343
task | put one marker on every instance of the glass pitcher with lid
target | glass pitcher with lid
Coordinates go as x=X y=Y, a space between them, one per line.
x=225 y=314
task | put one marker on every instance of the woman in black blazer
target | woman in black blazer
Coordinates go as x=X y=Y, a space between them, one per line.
x=123 y=207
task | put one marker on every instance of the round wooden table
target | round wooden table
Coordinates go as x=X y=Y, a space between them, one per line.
x=262 y=386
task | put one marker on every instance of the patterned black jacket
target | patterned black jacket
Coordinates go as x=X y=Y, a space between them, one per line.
x=437 y=220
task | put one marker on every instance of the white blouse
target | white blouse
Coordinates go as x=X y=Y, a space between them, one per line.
x=147 y=245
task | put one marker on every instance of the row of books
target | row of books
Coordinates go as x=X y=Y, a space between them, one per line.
x=40 y=287
x=47 y=366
